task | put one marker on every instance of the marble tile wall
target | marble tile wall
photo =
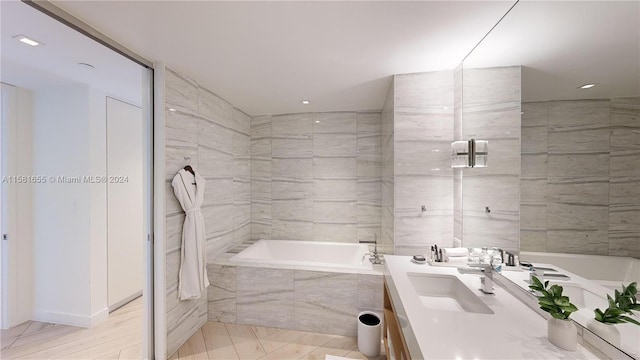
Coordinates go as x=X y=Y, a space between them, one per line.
x=581 y=177
x=457 y=136
x=491 y=111
x=216 y=138
x=316 y=176
x=423 y=132
x=326 y=302
x=387 y=170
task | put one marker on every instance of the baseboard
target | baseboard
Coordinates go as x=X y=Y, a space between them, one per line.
x=99 y=316
x=71 y=319
x=125 y=301
x=62 y=318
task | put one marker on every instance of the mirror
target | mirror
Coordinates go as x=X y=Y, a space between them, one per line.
x=563 y=173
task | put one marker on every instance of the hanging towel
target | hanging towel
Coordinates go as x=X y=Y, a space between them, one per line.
x=192 y=279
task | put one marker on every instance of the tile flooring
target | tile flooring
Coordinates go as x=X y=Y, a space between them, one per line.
x=217 y=340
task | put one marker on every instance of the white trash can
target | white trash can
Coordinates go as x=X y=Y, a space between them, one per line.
x=369 y=328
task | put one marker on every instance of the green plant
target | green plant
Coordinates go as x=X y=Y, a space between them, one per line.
x=619 y=307
x=551 y=299
x=627 y=300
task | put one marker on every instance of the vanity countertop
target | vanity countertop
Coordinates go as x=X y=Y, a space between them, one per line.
x=514 y=331
x=595 y=296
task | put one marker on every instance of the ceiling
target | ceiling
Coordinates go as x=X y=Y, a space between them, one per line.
x=57 y=61
x=265 y=57
x=565 y=44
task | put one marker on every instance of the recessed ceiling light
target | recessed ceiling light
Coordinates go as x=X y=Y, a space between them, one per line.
x=25 y=40
x=172 y=109
x=87 y=65
x=317 y=121
x=306 y=102
x=587 y=86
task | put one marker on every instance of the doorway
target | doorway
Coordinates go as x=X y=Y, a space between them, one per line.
x=76 y=194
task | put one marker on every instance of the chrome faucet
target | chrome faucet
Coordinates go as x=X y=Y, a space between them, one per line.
x=486 y=280
x=374 y=257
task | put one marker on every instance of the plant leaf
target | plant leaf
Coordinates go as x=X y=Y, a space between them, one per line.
x=599 y=315
x=629 y=320
x=536 y=282
x=546 y=301
x=569 y=308
x=614 y=312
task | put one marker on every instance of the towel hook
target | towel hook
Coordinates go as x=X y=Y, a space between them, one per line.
x=187 y=159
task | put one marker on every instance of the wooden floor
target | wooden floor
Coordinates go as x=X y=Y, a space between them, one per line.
x=119 y=337
x=232 y=341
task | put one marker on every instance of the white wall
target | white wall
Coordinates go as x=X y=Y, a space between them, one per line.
x=70 y=220
x=17 y=251
x=62 y=211
x=24 y=206
x=98 y=205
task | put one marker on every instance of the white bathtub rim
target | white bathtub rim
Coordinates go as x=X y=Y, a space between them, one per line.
x=367 y=268
x=224 y=261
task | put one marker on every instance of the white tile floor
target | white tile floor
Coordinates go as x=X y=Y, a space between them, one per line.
x=232 y=341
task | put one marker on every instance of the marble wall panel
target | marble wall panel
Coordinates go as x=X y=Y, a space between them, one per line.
x=492 y=111
x=215 y=137
x=302 y=165
x=590 y=180
x=387 y=127
x=422 y=174
x=265 y=297
x=222 y=293
x=326 y=302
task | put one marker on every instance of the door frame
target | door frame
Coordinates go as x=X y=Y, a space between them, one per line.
x=153 y=315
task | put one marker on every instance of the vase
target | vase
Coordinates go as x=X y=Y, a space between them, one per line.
x=562 y=333
x=608 y=332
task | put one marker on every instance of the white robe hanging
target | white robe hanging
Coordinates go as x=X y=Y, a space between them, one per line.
x=192 y=280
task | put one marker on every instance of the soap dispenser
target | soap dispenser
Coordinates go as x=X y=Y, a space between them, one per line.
x=485 y=258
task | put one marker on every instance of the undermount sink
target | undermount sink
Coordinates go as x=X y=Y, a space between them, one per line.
x=579 y=296
x=446 y=293
x=583 y=298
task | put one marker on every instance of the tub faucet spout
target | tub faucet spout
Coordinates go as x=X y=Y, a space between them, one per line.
x=374 y=257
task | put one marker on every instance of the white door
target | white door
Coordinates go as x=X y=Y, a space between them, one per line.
x=125 y=202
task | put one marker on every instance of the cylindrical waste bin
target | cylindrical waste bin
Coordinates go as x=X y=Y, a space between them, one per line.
x=369 y=327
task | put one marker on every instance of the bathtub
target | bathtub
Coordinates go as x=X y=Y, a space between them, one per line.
x=298 y=285
x=609 y=271
x=307 y=254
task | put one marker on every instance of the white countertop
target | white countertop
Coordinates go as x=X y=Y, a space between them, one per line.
x=629 y=333
x=514 y=331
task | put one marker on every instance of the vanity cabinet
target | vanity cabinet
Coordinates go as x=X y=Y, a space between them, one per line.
x=394 y=342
